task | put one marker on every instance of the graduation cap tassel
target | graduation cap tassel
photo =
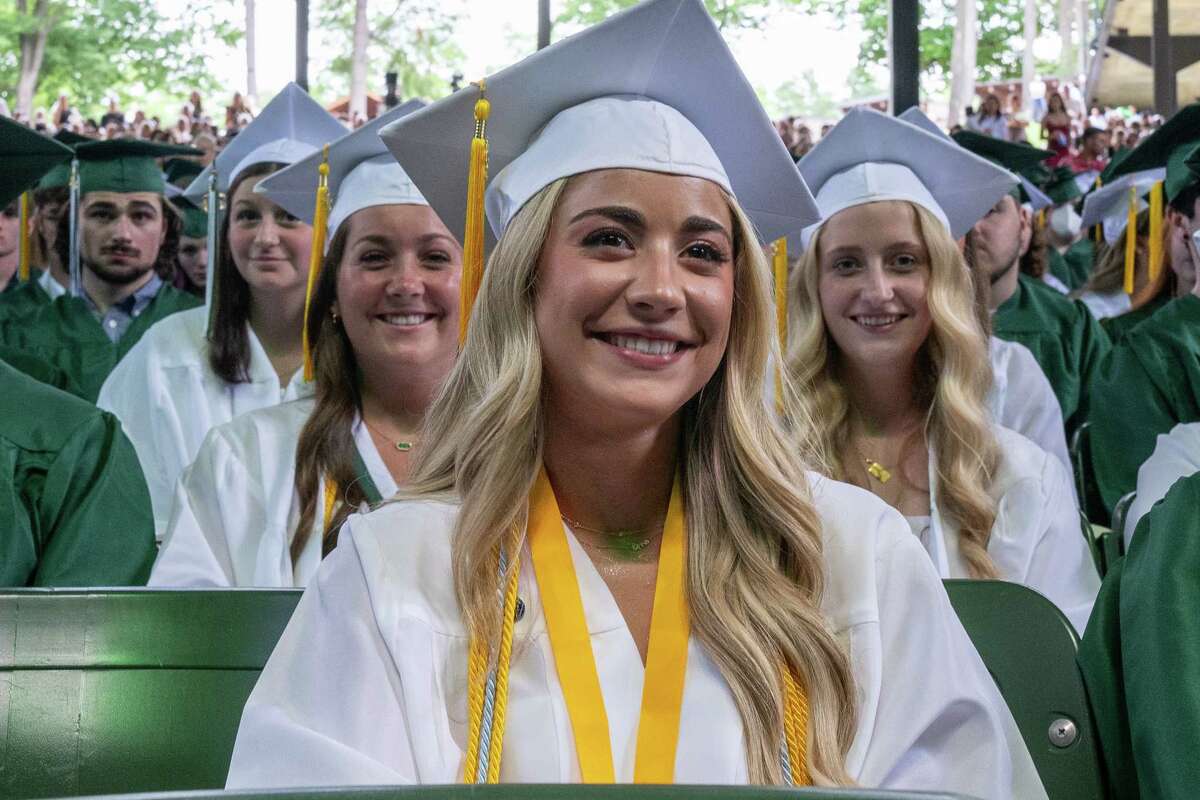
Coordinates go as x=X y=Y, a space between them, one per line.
x=472 y=272
x=210 y=284
x=779 y=263
x=23 y=262
x=1131 y=240
x=73 y=231
x=1156 y=230
x=320 y=223
x=1098 y=228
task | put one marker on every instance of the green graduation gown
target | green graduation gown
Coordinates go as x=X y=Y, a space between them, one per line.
x=68 y=336
x=74 y=509
x=1073 y=267
x=26 y=299
x=38 y=369
x=1063 y=336
x=1116 y=327
x=1141 y=654
x=1149 y=384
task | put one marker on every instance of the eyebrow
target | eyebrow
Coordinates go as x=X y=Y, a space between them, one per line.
x=697 y=224
x=622 y=214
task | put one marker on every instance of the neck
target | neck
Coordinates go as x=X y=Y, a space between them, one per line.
x=1004 y=286
x=104 y=294
x=8 y=266
x=277 y=319
x=611 y=481
x=883 y=397
x=401 y=412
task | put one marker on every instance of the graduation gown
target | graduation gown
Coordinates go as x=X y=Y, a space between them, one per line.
x=168 y=398
x=236 y=506
x=1104 y=306
x=1063 y=336
x=1148 y=385
x=1176 y=455
x=1022 y=400
x=1035 y=541
x=1074 y=266
x=368 y=683
x=1117 y=327
x=38 y=369
x=67 y=334
x=1141 y=655
x=73 y=505
x=26 y=299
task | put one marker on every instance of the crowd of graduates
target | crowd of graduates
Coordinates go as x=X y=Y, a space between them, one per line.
x=573 y=393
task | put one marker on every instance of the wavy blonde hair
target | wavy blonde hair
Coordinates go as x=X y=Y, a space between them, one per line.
x=754 y=564
x=953 y=387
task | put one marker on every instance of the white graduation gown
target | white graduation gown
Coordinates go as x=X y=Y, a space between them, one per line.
x=1104 y=306
x=1176 y=455
x=368 y=683
x=1022 y=399
x=1036 y=539
x=168 y=399
x=236 y=506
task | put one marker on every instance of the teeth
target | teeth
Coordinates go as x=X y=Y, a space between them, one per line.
x=875 y=322
x=405 y=319
x=654 y=347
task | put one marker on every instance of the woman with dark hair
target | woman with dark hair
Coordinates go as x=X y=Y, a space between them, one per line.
x=263 y=501
x=242 y=351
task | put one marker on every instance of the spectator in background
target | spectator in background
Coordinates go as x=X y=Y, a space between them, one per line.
x=207 y=144
x=197 y=106
x=1017 y=121
x=1097 y=119
x=62 y=112
x=825 y=129
x=990 y=120
x=234 y=111
x=804 y=141
x=182 y=134
x=1093 y=152
x=1056 y=129
x=113 y=115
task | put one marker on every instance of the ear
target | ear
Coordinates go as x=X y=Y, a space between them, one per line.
x=1026 y=228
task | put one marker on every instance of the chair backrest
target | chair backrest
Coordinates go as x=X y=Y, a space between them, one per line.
x=1080 y=451
x=1095 y=542
x=1115 y=545
x=128 y=690
x=1029 y=647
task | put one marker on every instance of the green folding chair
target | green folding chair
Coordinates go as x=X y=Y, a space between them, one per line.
x=1029 y=648
x=1114 y=543
x=128 y=690
x=550 y=792
x=1094 y=538
x=1085 y=485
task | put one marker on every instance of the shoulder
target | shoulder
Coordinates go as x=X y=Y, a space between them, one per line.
x=264 y=429
x=1173 y=324
x=1024 y=466
x=176 y=340
x=171 y=300
x=60 y=417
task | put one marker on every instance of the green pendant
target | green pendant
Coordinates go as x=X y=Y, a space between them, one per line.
x=404 y=447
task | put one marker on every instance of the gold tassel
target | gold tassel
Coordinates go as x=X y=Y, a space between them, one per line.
x=1131 y=240
x=779 y=262
x=1098 y=228
x=1156 y=230
x=1041 y=219
x=23 y=263
x=320 y=221
x=472 y=270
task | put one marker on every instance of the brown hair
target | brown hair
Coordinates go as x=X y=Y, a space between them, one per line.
x=1036 y=259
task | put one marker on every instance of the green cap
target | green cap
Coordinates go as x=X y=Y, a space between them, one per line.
x=124 y=165
x=1169 y=146
x=1192 y=161
x=1110 y=172
x=57 y=178
x=71 y=139
x=181 y=169
x=1010 y=155
x=195 y=220
x=25 y=155
x=1062 y=186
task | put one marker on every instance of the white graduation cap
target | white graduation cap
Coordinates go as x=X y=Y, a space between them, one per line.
x=870 y=157
x=1037 y=198
x=290 y=127
x=362 y=174
x=653 y=88
x=1109 y=205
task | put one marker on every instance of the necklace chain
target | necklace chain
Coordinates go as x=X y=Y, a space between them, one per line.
x=403 y=445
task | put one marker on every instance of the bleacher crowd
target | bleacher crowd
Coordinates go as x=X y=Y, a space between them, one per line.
x=615 y=432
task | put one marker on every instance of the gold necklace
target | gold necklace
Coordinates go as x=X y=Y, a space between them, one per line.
x=402 y=445
x=627 y=545
x=873 y=468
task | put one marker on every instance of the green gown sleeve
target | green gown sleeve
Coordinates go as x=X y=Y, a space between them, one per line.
x=91 y=510
x=1093 y=346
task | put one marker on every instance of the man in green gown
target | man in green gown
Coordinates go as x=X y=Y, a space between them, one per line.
x=49 y=204
x=1141 y=654
x=1151 y=381
x=126 y=229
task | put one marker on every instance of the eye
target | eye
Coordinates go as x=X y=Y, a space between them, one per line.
x=436 y=257
x=844 y=266
x=905 y=262
x=608 y=238
x=373 y=258
x=246 y=215
x=284 y=218
x=706 y=252
x=102 y=214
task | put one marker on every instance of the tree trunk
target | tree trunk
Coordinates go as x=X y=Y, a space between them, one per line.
x=962 y=60
x=251 y=68
x=33 y=50
x=1066 y=58
x=1084 y=38
x=1028 y=67
x=358 y=63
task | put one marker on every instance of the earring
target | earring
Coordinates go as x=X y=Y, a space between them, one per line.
x=334 y=315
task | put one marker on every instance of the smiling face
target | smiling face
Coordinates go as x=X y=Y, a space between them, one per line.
x=873 y=284
x=121 y=233
x=635 y=288
x=269 y=246
x=397 y=288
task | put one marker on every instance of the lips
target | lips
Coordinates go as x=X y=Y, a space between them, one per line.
x=406 y=320
x=877 y=320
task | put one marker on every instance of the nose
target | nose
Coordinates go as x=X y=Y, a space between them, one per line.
x=404 y=280
x=878 y=288
x=655 y=292
x=267 y=233
x=123 y=230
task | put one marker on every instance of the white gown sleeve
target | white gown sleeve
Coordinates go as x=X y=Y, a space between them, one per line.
x=1176 y=455
x=939 y=722
x=329 y=708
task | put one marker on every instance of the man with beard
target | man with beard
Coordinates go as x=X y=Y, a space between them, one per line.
x=1061 y=333
x=126 y=230
x=1151 y=383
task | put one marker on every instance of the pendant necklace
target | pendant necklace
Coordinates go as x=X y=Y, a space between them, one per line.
x=626 y=545
x=402 y=445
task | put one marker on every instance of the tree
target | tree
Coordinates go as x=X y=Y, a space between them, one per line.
x=802 y=98
x=251 y=62
x=358 y=62
x=89 y=47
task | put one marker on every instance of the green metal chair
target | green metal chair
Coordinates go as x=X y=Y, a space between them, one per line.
x=1029 y=647
x=127 y=690
x=1114 y=543
x=1094 y=539
x=1085 y=484
x=559 y=791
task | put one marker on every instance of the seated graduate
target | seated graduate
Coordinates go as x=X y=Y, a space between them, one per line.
x=262 y=503
x=1151 y=382
x=243 y=351
x=72 y=497
x=10 y=245
x=1176 y=455
x=603 y=514
x=123 y=232
x=1020 y=398
x=1069 y=253
x=888 y=353
x=191 y=262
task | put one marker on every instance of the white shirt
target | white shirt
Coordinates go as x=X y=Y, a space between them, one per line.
x=1176 y=455
x=1037 y=538
x=50 y=285
x=168 y=399
x=368 y=683
x=996 y=127
x=1104 y=306
x=1054 y=283
x=236 y=506
x=1023 y=400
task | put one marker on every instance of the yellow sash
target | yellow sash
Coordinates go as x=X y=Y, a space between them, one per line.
x=666 y=656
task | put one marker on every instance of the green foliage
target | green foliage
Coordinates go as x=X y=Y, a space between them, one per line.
x=96 y=48
x=729 y=14
x=414 y=38
x=801 y=98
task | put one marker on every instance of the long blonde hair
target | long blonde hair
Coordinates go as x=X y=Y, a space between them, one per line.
x=953 y=384
x=754 y=565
